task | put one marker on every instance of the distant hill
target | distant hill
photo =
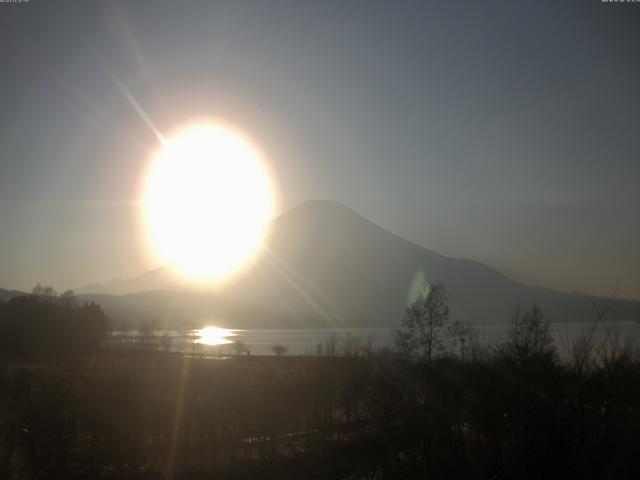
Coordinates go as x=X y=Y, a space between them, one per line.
x=6 y=295
x=157 y=279
x=325 y=265
x=174 y=309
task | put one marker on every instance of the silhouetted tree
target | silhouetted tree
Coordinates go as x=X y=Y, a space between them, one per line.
x=352 y=346
x=46 y=323
x=240 y=348
x=166 y=342
x=68 y=298
x=424 y=324
x=529 y=343
x=279 y=350
x=191 y=336
x=44 y=293
x=459 y=333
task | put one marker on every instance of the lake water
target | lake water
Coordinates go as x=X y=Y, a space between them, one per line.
x=221 y=342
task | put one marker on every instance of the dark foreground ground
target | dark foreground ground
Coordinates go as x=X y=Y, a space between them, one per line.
x=128 y=414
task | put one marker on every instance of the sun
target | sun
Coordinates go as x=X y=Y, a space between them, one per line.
x=207 y=201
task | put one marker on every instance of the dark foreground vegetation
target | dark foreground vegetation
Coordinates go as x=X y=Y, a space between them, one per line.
x=510 y=411
x=47 y=324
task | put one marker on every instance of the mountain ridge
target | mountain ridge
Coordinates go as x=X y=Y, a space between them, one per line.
x=325 y=263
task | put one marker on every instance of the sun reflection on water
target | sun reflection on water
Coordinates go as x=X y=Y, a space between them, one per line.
x=214 y=336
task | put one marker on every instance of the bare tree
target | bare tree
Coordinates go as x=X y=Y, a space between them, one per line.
x=331 y=345
x=423 y=327
x=459 y=333
x=529 y=339
x=581 y=351
x=45 y=293
x=192 y=337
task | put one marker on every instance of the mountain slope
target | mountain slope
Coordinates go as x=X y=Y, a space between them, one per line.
x=325 y=265
x=157 y=279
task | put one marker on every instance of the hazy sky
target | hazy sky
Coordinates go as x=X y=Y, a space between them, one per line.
x=505 y=132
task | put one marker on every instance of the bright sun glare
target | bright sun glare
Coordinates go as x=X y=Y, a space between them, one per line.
x=207 y=202
x=214 y=336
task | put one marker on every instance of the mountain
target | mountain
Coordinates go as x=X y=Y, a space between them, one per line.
x=325 y=265
x=157 y=279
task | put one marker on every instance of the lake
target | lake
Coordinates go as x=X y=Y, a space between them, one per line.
x=220 y=342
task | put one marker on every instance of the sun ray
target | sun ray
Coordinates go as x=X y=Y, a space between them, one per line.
x=300 y=286
x=138 y=108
